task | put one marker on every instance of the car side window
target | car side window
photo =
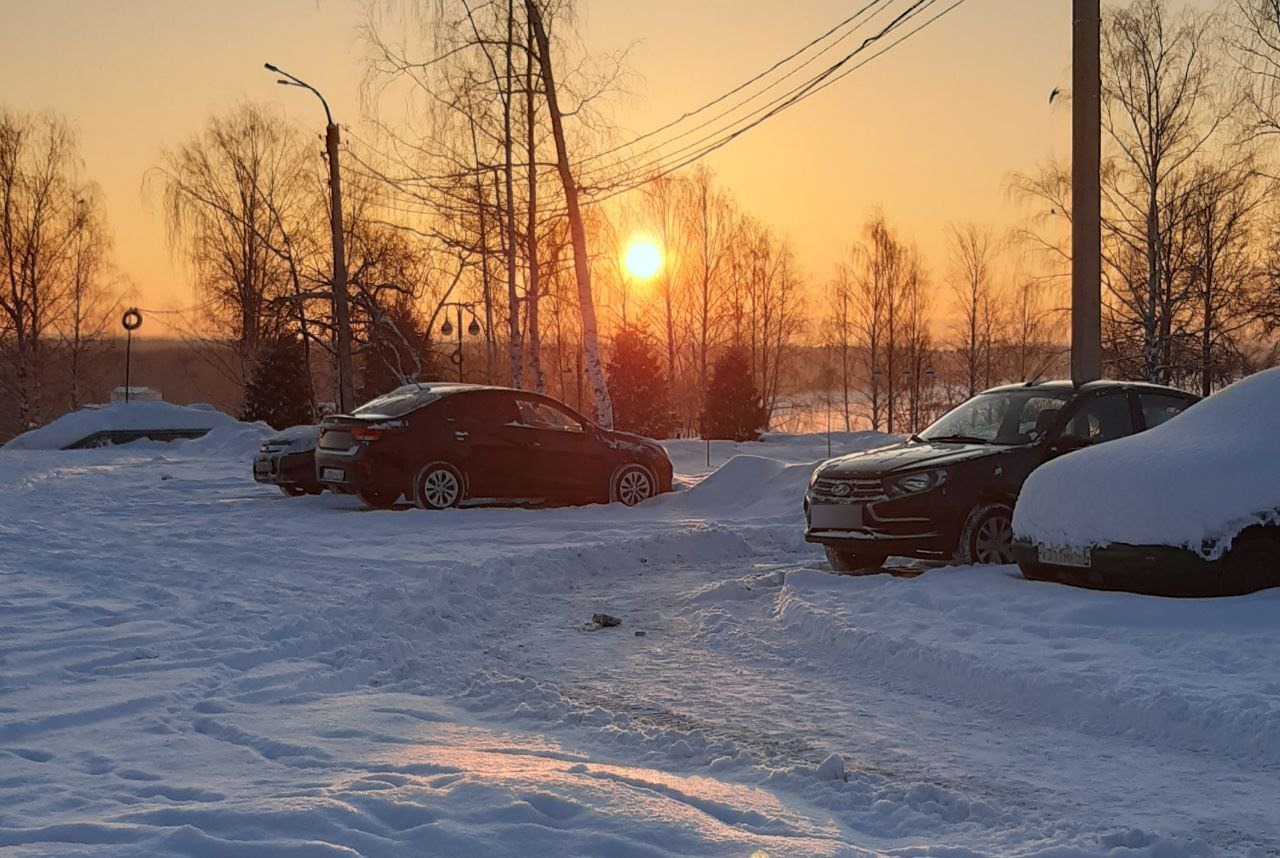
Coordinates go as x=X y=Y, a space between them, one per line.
x=1102 y=418
x=1158 y=408
x=542 y=415
x=483 y=409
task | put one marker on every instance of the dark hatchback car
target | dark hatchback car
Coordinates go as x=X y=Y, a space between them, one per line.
x=288 y=461
x=440 y=445
x=948 y=493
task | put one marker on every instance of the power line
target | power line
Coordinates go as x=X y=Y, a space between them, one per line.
x=633 y=177
x=745 y=84
x=911 y=10
x=744 y=103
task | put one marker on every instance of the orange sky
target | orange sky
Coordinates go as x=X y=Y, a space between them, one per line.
x=930 y=131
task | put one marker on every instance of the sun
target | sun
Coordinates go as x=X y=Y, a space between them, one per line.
x=643 y=258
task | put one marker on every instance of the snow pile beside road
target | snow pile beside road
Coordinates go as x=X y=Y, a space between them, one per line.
x=750 y=485
x=1188 y=674
x=230 y=440
x=77 y=425
x=1200 y=478
x=690 y=456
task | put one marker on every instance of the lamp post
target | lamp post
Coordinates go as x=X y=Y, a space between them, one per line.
x=473 y=329
x=341 y=315
x=130 y=321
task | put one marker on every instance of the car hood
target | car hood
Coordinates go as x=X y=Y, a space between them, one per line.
x=628 y=441
x=907 y=456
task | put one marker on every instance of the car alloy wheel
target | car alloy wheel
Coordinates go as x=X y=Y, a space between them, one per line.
x=439 y=487
x=993 y=540
x=633 y=485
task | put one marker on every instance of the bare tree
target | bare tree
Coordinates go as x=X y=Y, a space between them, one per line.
x=228 y=192
x=1159 y=112
x=41 y=215
x=581 y=261
x=88 y=300
x=973 y=252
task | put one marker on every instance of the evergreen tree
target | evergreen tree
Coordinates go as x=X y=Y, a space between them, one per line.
x=393 y=356
x=732 y=408
x=638 y=385
x=278 y=392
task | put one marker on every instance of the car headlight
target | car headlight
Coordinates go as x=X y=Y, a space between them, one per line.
x=911 y=484
x=813 y=478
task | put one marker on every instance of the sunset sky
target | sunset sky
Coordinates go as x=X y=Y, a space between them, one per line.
x=930 y=131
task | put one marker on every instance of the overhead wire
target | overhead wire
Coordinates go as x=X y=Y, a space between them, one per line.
x=656 y=168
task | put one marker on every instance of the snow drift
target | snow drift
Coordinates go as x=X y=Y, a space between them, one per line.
x=77 y=425
x=1195 y=481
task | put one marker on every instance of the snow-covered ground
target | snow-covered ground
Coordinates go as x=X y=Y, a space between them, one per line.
x=193 y=664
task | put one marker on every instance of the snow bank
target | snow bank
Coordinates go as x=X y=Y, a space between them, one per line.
x=766 y=478
x=233 y=440
x=1198 y=479
x=77 y=425
x=690 y=456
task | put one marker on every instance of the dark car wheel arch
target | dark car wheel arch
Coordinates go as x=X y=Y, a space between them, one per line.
x=985 y=522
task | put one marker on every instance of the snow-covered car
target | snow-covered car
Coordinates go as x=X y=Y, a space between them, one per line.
x=441 y=445
x=288 y=460
x=1190 y=508
x=948 y=493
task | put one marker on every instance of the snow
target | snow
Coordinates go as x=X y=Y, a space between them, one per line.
x=77 y=425
x=296 y=439
x=192 y=664
x=1195 y=481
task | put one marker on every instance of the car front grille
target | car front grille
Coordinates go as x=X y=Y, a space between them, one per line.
x=858 y=490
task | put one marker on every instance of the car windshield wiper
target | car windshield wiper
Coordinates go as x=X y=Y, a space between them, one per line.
x=960 y=439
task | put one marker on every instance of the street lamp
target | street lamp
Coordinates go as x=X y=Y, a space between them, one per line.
x=447 y=328
x=341 y=316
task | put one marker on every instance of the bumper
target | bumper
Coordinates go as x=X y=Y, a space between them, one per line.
x=294 y=469
x=866 y=533
x=347 y=473
x=924 y=546
x=1155 y=570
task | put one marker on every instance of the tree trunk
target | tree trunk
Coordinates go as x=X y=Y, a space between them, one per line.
x=532 y=285
x=581 y=262
x=513 y=300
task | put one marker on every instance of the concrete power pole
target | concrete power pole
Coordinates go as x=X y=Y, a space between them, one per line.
x=1086 y=193
x=341 y=315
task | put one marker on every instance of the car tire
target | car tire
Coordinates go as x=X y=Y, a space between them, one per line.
x=378 y=499
x=439 y=485
x=850 y=563
x=1253 y=561
x=289 y=490
x=631 y=484
x=987 y=537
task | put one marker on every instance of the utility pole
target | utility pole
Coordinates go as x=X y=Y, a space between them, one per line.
x=341 y=312
x=1086 y=193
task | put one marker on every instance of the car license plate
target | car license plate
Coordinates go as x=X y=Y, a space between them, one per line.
x=333 y=475
x=1081 y=557
x=835 y=516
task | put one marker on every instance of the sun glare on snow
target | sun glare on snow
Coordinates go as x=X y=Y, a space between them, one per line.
x=643 y=258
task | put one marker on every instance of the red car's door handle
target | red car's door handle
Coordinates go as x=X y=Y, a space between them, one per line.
x=461 y=436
